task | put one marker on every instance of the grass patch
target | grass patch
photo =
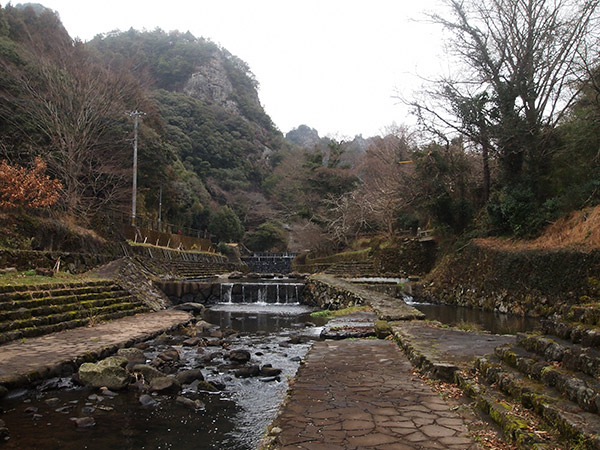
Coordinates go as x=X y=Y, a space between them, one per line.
x=30 y=277
x=340 y=312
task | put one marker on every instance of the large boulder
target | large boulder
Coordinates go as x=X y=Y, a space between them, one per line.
x=109 y=372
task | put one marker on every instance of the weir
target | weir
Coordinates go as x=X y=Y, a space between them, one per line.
x=276 y=293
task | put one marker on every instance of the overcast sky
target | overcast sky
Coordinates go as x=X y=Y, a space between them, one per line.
x=334 y=65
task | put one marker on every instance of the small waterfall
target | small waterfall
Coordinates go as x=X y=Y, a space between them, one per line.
x=226 y=290
x=261 y=293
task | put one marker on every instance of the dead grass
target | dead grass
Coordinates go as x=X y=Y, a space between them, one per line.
x=579 y=230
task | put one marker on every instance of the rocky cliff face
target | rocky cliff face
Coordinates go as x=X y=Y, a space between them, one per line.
x=212 y=83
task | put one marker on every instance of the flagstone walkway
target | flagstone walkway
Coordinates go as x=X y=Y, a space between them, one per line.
x=362 y=394
x=35 y=358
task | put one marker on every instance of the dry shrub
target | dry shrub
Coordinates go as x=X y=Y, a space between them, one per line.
x=578 y=230
x=29 y=188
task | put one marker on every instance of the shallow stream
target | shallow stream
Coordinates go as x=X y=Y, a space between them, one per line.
x=234 y=418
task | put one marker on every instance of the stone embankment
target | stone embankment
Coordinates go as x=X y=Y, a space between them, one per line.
x=332 y=293
x=526 y=282
x=55 y=354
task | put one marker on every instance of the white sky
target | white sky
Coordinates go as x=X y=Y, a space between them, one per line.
x=333 y=65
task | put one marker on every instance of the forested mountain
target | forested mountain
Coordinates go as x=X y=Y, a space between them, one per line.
x=205 y=138
x=481 y=162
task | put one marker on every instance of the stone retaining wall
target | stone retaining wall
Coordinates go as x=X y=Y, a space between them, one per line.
x=332 y=293
x=31 y=259
x=526 y=282
x=190 y=291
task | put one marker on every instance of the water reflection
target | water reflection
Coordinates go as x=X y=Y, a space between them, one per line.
x=494 y=322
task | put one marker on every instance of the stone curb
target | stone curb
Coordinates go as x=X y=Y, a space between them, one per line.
x=73 y=362
x=436 y=369
x=512 y=425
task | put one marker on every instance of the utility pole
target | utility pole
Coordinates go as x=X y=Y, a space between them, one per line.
x=135 y=114
x=160 y=209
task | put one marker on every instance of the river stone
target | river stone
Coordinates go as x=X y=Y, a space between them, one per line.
x=165 y=385
x=109 y=372
x=147 y=400
x=148 y=372
x=240 y=356
x=4 y=434
x=189 y=376
x=3 y=391
x=191 y=342
x=269 y=371
x=189 y=403
x=169 y=355
x=248 y=371
x=133 y=355
x=84 y=422
x=196 y=309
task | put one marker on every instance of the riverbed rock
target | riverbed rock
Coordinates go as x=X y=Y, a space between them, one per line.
x=189 y=376
x=197 y=309
x=191 y=342
x=269 y=371
x=170 y=355
x=109 y=372
x=189 y=403
x=147 y=371
x=165 y=385
x=4 y=433
x=133 y=355
x=239 y=356
x=147 y=400
x=248 y=371
x=83 y=422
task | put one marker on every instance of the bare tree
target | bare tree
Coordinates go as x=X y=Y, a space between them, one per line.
x=518 y=63
x=71 y=108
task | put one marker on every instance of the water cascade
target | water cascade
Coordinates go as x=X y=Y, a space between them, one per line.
x=274 y=293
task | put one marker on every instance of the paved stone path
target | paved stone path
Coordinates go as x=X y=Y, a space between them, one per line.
x=44 y=356
x=361 y=394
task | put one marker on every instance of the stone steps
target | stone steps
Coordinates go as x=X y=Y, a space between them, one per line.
x=38 y=302
x=70 y=303
x=570 y=356
x=577 y=387
x=587 y=313
x=74 y=323
x=183 y=269
x=35 y=310
x=351 y=268
x=518 y=425
x=575 y=332
x=580 y=427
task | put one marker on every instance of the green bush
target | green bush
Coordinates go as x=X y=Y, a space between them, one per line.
x=225 y=225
